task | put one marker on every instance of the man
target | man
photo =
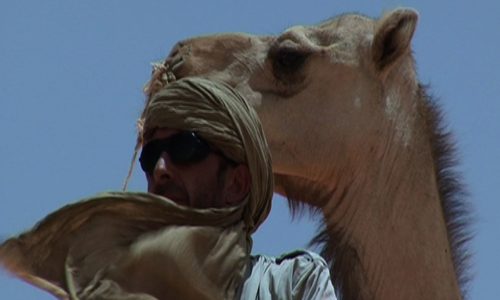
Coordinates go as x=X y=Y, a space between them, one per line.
x=210 y=186
x=204 y=148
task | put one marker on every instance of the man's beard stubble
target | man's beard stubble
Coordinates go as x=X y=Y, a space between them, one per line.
x=207 y=198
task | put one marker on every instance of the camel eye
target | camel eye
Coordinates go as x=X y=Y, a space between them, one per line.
x=286 y=61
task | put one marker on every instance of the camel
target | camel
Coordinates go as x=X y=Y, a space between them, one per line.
x=355 y=137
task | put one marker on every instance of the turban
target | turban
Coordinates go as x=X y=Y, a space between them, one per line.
x=221 y=116
x=123 y=245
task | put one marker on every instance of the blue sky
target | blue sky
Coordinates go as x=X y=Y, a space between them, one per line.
x=71 y=77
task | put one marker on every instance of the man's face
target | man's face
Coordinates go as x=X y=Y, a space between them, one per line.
x=211 y=182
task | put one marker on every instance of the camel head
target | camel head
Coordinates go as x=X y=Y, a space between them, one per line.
x=324 y=93
x=352 y=133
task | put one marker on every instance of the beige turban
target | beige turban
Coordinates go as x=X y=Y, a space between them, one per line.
x=220 y=115
x=142 y=246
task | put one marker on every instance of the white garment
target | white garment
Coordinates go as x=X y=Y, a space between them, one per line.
x=296 y=275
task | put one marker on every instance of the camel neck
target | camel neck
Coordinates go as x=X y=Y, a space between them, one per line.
x=396 y=246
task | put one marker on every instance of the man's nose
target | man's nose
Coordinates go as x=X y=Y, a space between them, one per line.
x=163 y=168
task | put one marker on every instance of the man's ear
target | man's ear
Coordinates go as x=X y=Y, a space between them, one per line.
x=238 y=182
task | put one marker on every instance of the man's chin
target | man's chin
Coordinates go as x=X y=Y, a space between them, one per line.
x=175 y=198
x=180 y=201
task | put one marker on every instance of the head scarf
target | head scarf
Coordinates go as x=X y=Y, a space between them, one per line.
x=143 y=246
x=221 y=116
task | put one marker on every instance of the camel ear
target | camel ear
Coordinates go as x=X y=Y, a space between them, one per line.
x=393 y=35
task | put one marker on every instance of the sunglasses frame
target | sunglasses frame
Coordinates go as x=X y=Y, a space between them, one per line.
x=184 y=148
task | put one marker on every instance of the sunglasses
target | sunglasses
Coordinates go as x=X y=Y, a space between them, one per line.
x=183 y=148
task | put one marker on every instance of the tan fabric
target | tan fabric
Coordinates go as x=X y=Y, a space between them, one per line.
x=123 y=246
x=141 y=246
x=222 y=117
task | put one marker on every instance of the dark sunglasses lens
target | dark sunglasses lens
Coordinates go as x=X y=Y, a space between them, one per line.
x=186 y=148
x=149 y=156
x=183 y=148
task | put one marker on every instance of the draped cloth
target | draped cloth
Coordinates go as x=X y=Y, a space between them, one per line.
x=142 y=246
x=220 y=115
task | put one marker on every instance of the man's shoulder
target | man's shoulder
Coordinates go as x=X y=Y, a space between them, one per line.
x=298 y=255
x=301 y=254
x=291 y=267
x=299 y=274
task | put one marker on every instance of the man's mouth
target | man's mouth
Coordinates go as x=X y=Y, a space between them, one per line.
x=173 y=193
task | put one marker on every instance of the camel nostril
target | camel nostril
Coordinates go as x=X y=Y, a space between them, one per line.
x=175 y=50
x=175 y=62
x=180 y=44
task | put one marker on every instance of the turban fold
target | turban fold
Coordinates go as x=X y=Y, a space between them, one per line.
x=220 y=115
